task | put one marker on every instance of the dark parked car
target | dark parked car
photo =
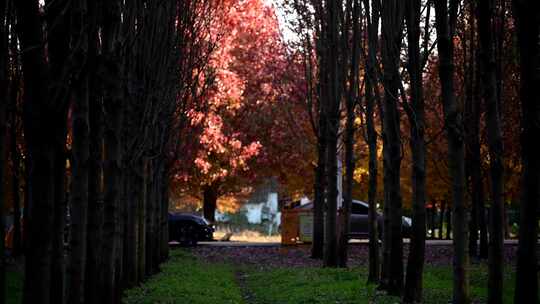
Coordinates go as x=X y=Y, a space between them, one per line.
x=359 y=220
x=188 y=229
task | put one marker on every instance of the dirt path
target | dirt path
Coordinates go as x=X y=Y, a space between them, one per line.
x=241 y=279
x=275 y=256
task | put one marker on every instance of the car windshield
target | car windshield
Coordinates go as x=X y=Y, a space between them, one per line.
x=358 y=208
x=202 y=221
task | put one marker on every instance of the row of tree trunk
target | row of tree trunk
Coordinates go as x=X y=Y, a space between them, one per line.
x=332 y=28
x=95 y=86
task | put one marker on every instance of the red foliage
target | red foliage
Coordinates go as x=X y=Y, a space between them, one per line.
x=252 y=124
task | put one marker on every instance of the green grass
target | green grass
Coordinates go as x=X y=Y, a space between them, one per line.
x=318 y=285
x=308 y=285
x=14 y=286
x=185 y=279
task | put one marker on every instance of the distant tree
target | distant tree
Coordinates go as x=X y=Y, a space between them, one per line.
x=249 y=67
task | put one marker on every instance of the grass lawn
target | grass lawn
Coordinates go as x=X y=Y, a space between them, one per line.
x=186 y=279
x=14 y=286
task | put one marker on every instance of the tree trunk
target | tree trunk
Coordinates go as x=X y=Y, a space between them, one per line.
x=527 y=14
x=144 y=204
x=59 y=263
x=210 y=197
x=80 y=156
x=120 y=273
x=152 y=178
x=441 y=218
x=415 y=263
x=3 y=142
x=319 y=203
x=38 y=129
x=449 y=224
x=374 y=258
x=352 y=96
x=333 y=102
x=445 y=23
x=317 y=245
x=135 y=194
x=16 y=161
x=58 y=49
x=371 y=94
x=113 y=155
x=392 y=16
x=94 y=274
x=471 y=122
x=495 y=144
x=164 y=216
x=477 y=176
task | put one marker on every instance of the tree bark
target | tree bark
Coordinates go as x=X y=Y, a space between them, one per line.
x=495 y=145
x=392 y=16
x=38 y=130
x=317 y=245
x=135 y=189
x=333 y=102
x=152 y=178
x=320 y=186
x=210 y=197
x=94 y=274
x=16 y=161
x=527 y=14
x=371 y=95
x=445 y=23
x=3 y=142
x=416 y=115
x=80 y=155
x=58 y=49
x=15 y=154
x=352 y=100
x=113 y=155
x=471 y=125
x=164 y=216
x=441 y=218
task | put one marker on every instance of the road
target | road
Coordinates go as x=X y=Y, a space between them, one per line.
x=352 y=242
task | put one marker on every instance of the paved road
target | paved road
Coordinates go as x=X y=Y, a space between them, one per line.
x=354 y=242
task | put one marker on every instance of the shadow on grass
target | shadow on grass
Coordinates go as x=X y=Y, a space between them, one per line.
x=186 y=279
